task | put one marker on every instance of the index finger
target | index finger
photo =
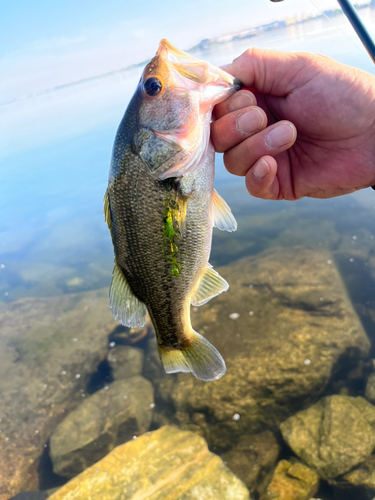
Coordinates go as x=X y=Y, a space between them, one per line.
x=239 y=100
x=270 y=71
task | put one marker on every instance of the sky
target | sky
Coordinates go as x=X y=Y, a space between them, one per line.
x=44 y=44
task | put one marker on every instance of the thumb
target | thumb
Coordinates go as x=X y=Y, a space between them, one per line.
x=272 y=72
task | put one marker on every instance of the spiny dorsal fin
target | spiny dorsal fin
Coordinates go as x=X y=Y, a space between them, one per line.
x=107 y=211
x=126 y=308
x=200 y=358
x=222 y=216
x=210 y=285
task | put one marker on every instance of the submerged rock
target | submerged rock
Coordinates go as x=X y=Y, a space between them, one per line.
x=333 y=435
x=253 y=459
x=292 y=482
x=370 y=386
x=111 y=416
x=167 y=463
x=295 y=325
x=124 y=335
x=364 y=475
x=31 y=495
x=49 y=347
x=125 y=361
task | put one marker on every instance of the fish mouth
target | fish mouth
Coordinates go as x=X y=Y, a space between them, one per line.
x=238 y=84
x=197 y=74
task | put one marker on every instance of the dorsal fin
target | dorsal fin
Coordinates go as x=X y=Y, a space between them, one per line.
x=222 y=216
x=126 y=308
x=210 y=285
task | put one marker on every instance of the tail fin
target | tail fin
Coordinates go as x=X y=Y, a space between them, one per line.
x=200 y=358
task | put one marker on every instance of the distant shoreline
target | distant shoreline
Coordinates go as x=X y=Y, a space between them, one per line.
x=251 y=32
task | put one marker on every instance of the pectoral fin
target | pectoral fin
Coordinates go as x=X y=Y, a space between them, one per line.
x=107 y=211
x=222 y=215
x=126 y=308
x=210 y=285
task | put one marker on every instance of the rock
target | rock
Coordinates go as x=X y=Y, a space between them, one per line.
x=49 y=347
x=31 y=495
x=122 y=335
x=364 y=475
x=167 y=463
x=295 y=325
x=125 y=361
x=253 y=460
x=292 y=482
x=109 y=417
x=370 y=386
x=333 y=435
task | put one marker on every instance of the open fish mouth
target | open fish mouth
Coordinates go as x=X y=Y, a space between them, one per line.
x=212 y=81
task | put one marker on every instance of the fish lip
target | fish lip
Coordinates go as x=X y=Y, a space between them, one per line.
x=237 y=83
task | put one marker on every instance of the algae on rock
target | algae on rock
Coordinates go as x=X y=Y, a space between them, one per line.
x=165 y=464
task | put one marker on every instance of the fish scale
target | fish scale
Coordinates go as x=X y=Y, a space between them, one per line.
x=163 y=158
x=137 y=230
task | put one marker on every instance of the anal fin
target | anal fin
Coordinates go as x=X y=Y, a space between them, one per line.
x=222 y=216
x=200 y=358
x=126 y=308
x=211 y=284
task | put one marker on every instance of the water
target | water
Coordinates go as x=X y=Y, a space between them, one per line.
x=54 y=162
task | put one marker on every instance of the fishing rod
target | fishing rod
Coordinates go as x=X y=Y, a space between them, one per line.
x=358 y=26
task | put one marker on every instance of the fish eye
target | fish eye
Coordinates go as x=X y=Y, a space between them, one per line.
x=152 y=86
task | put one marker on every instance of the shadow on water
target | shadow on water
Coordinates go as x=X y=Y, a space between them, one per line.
x=47 y=478
x=100 y=378
x=360 y=286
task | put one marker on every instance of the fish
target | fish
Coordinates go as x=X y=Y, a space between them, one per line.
x=160 y=206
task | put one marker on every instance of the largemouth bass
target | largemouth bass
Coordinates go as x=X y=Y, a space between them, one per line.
x=160 y=207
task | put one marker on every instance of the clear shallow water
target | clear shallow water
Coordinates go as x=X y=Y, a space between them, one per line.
x=54 y=163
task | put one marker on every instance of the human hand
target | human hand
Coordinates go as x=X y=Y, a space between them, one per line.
x=311 y=127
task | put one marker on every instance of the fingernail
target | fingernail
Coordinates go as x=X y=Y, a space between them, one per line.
x=261 y=170
x=250 y=121
x=239 y=101
x=280 y=135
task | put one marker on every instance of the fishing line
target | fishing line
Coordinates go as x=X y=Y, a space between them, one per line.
x=358 y=47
